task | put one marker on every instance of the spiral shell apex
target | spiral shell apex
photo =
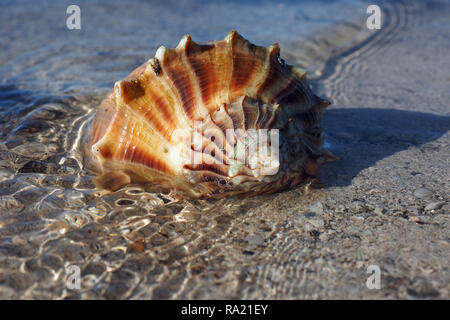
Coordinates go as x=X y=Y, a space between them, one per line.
x=209 y=120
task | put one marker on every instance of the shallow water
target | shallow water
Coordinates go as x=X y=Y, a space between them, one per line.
x=137 y=244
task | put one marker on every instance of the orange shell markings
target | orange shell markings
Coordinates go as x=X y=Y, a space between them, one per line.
x=189 y=118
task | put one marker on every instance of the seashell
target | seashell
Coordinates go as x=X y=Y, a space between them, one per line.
x=209 y=120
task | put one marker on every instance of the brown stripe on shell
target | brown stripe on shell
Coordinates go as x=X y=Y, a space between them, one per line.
x=270 y=115
x=264 y=115
x=165 y=100
x=135 y=96
x=244 y=67
x=273 y=74
x=147 y=159
x=185 y=89
x=309 y=117
x=106 y=152
x=223 y=121
x=251 y=112
x=294 y=93
x=199 y=58
x=248 y=62
x=209 y=151
x=220 y=169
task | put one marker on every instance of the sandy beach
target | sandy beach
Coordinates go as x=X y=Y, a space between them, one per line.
x=384 y=203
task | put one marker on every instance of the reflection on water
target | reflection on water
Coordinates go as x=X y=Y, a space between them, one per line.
x=135 y=243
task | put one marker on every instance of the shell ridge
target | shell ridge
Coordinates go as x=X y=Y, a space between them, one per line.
x=196 y=57
x=222 y=92
x=227 y=145
x=184 y=90
x=252 y=111
x=155 y=125
x=153 y=115
x=145 y=158
x=210 y=129
x=196 y=98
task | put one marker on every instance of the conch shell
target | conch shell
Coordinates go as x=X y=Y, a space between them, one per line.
x=209 y=120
